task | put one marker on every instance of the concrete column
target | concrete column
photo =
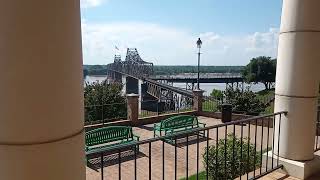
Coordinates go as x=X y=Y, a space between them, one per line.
x=297 y=80
x=197 y=100
x=133 y=108
x=124 y=84
x=41 y=106
x=140 y=82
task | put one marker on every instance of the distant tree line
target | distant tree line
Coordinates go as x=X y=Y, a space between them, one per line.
x=94 y=70
x=168 y=70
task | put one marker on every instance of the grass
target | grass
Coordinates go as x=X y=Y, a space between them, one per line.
x=265 y=95
x=202 y=176
x=265 y=92
x=210 y=106
x=269 y=109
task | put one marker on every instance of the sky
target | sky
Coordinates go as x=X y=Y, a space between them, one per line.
x=165 y=31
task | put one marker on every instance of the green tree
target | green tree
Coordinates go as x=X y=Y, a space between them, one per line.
x=246 y=101
x=104 y=102
x=216 y=93
x=261 y=69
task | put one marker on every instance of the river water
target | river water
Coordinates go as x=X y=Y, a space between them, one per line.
x=207 y=87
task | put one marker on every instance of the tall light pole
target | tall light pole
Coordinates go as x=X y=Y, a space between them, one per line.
x=199 y=43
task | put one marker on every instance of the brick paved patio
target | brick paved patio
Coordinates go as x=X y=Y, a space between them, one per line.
x=111 y=167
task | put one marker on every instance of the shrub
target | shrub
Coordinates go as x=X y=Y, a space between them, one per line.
x=246 y=101
x=104 y=101
x=236 y=163
x=218 y=94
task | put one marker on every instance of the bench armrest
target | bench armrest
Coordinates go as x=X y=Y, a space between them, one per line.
x=201 y=124
x=135 y=137
x=156 y=126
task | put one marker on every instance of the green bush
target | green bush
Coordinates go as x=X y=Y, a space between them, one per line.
x=246 y=101
x=104 y=102
x=218 y=94
x=236 y=163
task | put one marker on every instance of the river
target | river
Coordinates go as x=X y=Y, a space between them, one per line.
x=207 y=87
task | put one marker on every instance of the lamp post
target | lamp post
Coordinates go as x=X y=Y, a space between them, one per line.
x=199 y=43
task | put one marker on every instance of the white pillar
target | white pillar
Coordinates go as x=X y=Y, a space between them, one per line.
x=297 y=80
x=124 y=84
x=41 y=91
x=140 y=82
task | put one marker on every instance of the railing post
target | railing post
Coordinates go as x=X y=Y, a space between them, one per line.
x=197 y=100
x=133 y=108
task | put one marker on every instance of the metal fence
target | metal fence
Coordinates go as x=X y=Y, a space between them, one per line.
x=158 y=107
x=230 y=150
x=105 y=113
x=211 y=104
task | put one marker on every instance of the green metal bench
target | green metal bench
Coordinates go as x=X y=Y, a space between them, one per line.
x=176 y=124
x=98 y=140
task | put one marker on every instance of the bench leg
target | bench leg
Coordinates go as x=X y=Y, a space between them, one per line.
x=136 y=148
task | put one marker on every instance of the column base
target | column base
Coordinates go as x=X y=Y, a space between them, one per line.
x=297 y=169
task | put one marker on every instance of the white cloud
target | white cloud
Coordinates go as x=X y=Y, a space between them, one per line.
x=166 y=45
x=264 y=42
x=91 y=3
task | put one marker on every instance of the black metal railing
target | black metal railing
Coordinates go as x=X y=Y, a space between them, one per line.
x=245 y=148
x=105 y=113
x=211 y=104
x=174 y=105
x=149 y=108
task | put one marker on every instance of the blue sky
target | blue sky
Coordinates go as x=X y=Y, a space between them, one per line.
x=165 y=31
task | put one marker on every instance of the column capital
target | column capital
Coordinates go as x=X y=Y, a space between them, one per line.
x=198 y=92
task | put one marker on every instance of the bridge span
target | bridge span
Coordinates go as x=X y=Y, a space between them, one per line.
x=137 y=77
x=204 y=78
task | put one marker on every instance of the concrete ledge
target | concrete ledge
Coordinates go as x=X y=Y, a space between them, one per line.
x=237 y=117
x=158 y=118
x=113 y=123
x=141 y=121
x=297 y=169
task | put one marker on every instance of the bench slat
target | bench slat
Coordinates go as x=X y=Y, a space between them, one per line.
x=176 y=124
x=108 y=135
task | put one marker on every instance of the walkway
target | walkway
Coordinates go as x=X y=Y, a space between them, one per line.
x=127 y=166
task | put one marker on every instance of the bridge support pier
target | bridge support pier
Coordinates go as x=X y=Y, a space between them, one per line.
x=132 y=85
x=190 y=86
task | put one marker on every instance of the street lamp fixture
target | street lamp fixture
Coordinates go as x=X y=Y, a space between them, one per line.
x=199 y=43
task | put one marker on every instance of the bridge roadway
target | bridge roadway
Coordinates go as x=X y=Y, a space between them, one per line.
x=204 y=78
x=162 y=85
x=171 y=88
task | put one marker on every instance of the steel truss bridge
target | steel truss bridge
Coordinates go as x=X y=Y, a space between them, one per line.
x=161 y=87
x=135 y=67
x=190 y=79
